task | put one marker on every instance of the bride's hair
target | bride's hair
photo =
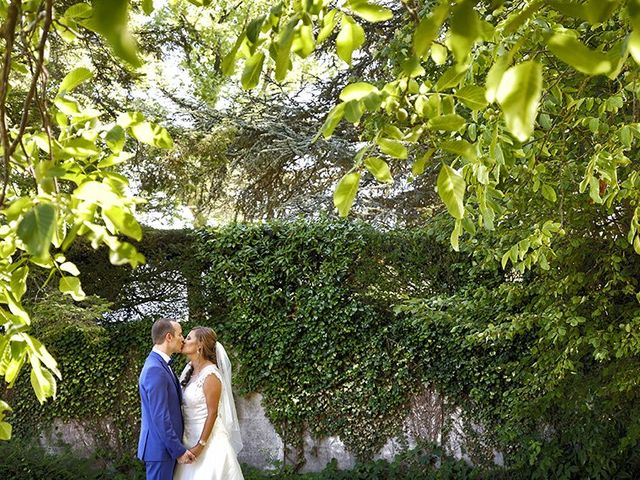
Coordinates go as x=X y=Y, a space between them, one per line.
x=207 y=338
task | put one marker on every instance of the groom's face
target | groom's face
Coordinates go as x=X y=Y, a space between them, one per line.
x=178 y=340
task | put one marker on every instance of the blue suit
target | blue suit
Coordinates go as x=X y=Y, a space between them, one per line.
x=161 y=431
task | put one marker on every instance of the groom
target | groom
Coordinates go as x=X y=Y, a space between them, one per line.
x=160 y=443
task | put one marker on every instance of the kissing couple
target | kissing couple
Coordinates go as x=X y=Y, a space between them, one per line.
x=191 y=421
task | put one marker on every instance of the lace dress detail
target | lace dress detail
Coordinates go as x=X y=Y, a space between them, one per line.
x=217 y=461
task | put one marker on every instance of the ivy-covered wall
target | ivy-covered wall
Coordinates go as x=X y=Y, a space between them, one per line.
x=340 y=326
x=306 y=309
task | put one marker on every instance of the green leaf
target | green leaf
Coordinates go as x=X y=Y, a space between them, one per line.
x=520 y=16
x=303 y=43
x=472 y=96
x=36 y=229
x=573 y=52
x=350 y=38
x=570 y=8
x=147 y=6
x=451 y=123
x=19 y=282
x=599 y=11
x=634 y=45
x=379 y=169
x=428 y=28
x=123 y=222
x=42 y=381
x=464 y=31
x=253 y=29
x=71 y=268
x=439 y=54
x=126 y=253
x=331 y=122
x=455 y=235
x=345 y=193
x=353 y=111
x=420 y=164
x=73 y=79
x=451 y=188
x=229 y=61
x=357 y=91
x=78 y=11
x=369 y=11
x=495 y=76
x=393 y=148
x=548 y=192
x=151 y=134
x=285 y=40
x=625 y=136
x=329 y=22
x=115 y=139
x=42 y=354
x=110 y=19
x=252 y=71
x=5 y=431
x=71 y=286
x=459 y=147
x=519 y=96
x=450 y=78
x=96 y=192
x=80 y=148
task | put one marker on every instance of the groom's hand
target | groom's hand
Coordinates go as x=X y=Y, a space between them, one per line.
x=186 y=457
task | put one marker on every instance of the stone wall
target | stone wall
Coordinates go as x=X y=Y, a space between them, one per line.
x=264 y=449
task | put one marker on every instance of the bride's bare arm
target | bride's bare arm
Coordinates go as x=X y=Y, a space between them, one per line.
x=212 y=389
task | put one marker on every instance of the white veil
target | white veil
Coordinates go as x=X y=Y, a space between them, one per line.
x=229 y=416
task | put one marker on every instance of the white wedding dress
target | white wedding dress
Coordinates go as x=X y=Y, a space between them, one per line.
x=218 y=460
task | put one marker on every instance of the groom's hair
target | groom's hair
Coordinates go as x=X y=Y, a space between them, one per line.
x=159 y=330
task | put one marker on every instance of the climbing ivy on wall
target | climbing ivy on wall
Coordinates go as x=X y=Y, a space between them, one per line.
x=305 y=308
x=340 y=326
x=308 y=307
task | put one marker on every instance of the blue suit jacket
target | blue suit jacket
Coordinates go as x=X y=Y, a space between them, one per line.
x=162 y=428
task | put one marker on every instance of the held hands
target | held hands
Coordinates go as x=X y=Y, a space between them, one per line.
x=186 y=457
x=196 y=450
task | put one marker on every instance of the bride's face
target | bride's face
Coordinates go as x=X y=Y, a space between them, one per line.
x=190 y=345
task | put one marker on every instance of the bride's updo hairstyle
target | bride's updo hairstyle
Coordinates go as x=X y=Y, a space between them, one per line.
x=207 y=339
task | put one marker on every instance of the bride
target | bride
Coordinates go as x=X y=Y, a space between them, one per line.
x=211 y=429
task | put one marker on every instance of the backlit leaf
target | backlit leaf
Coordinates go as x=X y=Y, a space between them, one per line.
x=356 y=91
x=472 y=96
x=74 y=78
x=393 y=148
x=519 y=96
x=452 y=122
x=369 y=11
x=252 y=71
x=36 y=229
x=345 y=192
x=350 y=38
x=71 y=286
x=573 y=52
x=379 y=169
x=428 y=28
x=285 y=40
x=451 y=188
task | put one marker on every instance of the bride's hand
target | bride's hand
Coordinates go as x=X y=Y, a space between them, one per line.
x=197 y=449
